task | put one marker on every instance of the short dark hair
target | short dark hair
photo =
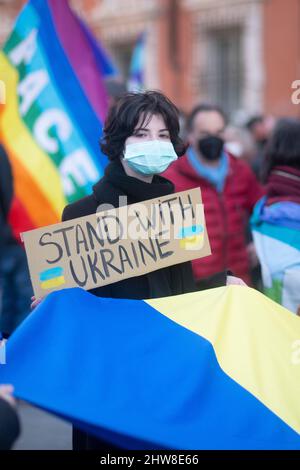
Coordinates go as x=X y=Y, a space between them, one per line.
x=283 y=147
x=202 y=108
x=125 y=114
x=258 y=119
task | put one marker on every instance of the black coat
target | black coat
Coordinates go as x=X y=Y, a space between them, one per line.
x=177 y=279
x=6 y=195
x=9 y=425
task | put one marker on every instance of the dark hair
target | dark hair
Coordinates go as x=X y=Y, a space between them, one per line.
x=202 y=108
x=258 y=119
x=283 y=147
x=125 y=114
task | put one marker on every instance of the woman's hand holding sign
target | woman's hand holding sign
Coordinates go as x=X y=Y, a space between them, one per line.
x=35 y=302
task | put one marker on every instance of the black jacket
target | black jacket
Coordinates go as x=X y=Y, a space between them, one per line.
x=6 y=195
x=9 y=425
x=177 y=279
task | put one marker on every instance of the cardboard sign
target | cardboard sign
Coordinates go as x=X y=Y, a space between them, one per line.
x=117 y=244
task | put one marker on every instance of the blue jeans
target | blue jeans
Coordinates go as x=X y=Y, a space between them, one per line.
x=15 y=288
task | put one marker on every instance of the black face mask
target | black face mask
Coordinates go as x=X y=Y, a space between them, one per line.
x=211 y=147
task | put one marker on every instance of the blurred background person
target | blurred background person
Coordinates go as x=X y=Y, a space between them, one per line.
x=259 y=128
x=15 y=286
x=229 y=191
x=276 y=219
x=115 y=89
x=182 y=126
x=238 y=142
x=9 y=421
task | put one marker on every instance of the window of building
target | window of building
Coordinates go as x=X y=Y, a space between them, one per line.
x=122 y=54
x=222 y=74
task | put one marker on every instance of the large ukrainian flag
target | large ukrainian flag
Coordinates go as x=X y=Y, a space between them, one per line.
x=218 y=369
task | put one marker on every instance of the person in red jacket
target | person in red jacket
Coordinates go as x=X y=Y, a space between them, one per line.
x=229 y=191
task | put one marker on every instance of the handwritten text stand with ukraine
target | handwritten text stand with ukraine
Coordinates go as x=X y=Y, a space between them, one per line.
x=118 y=243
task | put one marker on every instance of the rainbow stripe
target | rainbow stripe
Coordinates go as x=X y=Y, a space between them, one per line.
x=55 y=105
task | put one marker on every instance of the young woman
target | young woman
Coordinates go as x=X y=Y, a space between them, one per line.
x=276 y=219
x=141 y=139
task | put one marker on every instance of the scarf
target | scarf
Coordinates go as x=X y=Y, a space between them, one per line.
x=215 y=175
x=283 y=185
x=135 y=189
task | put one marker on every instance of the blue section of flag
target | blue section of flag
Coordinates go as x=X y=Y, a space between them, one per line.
x=126 y=373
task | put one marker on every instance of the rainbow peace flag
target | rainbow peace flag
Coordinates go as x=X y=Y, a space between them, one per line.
x=218 y=369
x=56 y=102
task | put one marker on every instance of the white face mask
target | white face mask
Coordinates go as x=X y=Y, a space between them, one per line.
x=235 y=148
x=150 y=157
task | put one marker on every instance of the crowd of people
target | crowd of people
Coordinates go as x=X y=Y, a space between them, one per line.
x=248 y=177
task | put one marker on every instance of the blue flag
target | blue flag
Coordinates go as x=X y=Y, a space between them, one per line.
x=217 y=369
